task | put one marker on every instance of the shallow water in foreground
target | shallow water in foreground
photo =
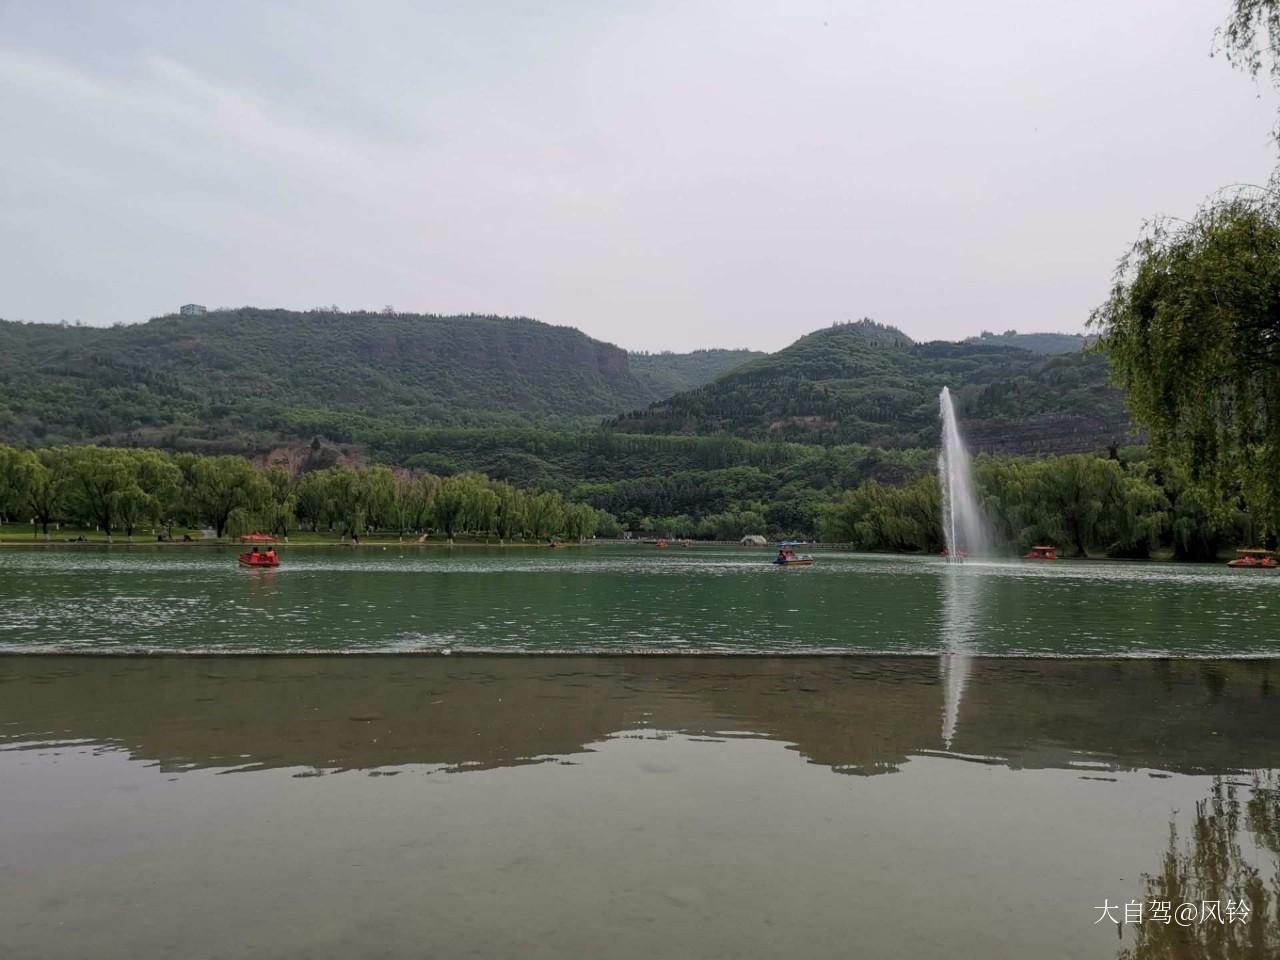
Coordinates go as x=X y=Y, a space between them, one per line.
x=629 y=807
x=620 y=599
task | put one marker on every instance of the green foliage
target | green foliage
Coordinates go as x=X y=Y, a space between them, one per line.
x=867 y=383
x=875 y=517
x=241 y=380
x=35 y=484
x=873 y=499
x=1234 y=833
x=128 y=489
x=279 y=507
x=1193 y=331
x=1081 y=503
x=220 y=487
x=99 y=478
x=1049 y=343
x=1084 y=504
x=668 y=373
x=1251 y=36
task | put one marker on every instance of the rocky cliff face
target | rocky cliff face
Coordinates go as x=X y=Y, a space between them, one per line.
x=1051 y=434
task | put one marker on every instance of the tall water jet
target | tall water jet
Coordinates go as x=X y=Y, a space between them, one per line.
x=962 y=523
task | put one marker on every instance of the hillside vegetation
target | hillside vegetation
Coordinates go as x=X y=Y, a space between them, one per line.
x=867 y=383
x=666 y=374
x=244 y=381
x=1035 y=342
x=742 y=441
x=241 y=379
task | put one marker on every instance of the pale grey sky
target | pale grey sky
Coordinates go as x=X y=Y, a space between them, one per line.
x=660 y=175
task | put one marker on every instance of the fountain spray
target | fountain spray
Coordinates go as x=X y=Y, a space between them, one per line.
x=962 y=522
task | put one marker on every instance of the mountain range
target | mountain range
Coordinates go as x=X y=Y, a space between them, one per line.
x=871 y=384
x=246 y=380
x=255 y=376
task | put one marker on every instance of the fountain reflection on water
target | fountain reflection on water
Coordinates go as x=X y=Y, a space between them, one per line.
x=961 y=596
x=966 y=534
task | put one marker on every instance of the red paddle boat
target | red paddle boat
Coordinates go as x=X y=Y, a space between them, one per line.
x=1259 y=559
x=255 y=558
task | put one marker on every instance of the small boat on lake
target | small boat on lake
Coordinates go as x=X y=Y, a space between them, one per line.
x=256 y=559
x=258 y=537
x=789 y=558
x=1255 y=559
x=1041 y=553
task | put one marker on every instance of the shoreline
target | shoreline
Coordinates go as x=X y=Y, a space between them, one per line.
x=404 y=543
x=644 y=655
x=673 y=545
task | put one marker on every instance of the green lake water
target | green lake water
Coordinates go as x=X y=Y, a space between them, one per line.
x=622 y=599
x=633 y=807
x=1012 y=747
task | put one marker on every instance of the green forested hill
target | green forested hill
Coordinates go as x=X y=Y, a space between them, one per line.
x=739 y=442
x=240 y=379
x=247 y=380
x=866 y=383
x=666 y=374
x=1035 y=342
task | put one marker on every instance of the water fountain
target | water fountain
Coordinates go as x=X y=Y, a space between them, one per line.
x=962 y=522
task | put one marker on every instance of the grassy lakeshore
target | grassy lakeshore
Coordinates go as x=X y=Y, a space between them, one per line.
x=12 y=535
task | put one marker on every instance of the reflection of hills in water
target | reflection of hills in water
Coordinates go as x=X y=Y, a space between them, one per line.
x=856 y=715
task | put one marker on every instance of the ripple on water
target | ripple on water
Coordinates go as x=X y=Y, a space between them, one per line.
x=624 y=599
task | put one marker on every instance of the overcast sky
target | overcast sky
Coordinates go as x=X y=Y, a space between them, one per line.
x=660 y=175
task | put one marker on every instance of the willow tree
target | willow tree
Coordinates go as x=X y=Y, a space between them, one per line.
x=222 y=486
x=1250 y=38
x=100 y=477
x=1192 y=328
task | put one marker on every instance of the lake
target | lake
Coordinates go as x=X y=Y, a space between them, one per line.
x=350 y=807
x=1004 y=752
x=622 y=599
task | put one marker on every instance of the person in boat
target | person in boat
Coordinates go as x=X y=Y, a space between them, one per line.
x=271 y=554
x=782 y=555
x=253 y=552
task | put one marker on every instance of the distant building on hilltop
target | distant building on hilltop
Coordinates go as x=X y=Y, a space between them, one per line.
x=191 y=309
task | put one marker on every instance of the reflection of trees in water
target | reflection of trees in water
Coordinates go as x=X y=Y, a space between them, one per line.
x=1215 y=865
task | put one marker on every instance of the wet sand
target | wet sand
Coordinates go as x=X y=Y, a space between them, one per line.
x=606 y=806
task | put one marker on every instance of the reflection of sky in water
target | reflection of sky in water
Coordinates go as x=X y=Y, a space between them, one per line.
x=625 y=598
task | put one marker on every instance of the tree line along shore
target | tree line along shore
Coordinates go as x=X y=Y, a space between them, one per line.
x=1120 y=505
x=130 y=492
